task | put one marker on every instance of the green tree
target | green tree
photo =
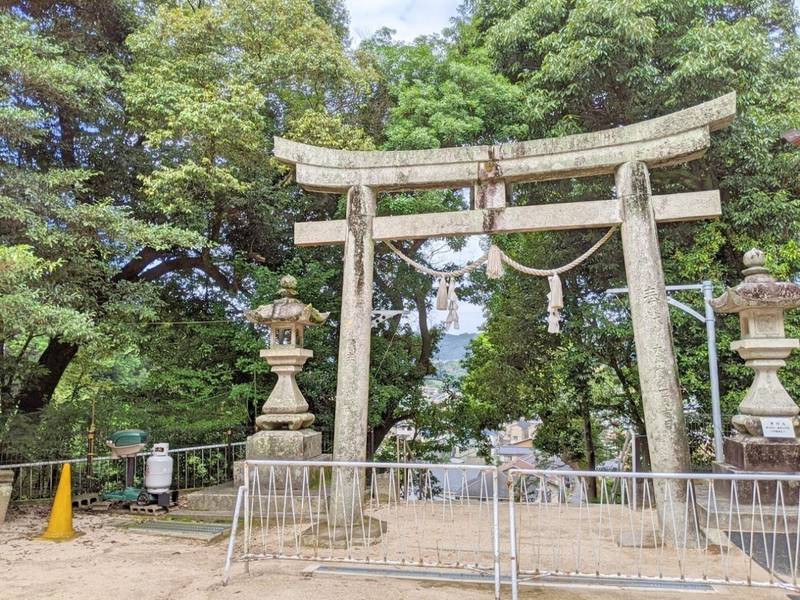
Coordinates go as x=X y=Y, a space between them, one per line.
x=176 y=139
x=60 y=225
x=583 y=65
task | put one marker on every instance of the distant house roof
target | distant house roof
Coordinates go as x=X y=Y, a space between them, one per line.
x=520 y=462
x=526 y=443
x=513 y=450
x=792 y=136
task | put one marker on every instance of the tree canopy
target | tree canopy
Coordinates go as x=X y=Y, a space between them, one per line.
x=141 y=211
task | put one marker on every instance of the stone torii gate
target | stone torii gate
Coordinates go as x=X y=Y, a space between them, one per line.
x=628 y=152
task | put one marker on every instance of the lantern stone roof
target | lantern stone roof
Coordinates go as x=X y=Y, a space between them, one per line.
x=287 y=309
x=758 y=290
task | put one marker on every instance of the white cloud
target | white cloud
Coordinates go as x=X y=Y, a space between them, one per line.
x=410 y=18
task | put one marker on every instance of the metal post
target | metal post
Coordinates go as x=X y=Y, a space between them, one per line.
x=90 y=445
x=246 y=529
x=512 y=529
x=711 y=335
x=226 y=570
x=496 y=533
x=709 y=319
x=634 y=468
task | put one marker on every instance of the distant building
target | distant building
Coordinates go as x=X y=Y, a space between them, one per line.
x=792 y=136
x=517 y=434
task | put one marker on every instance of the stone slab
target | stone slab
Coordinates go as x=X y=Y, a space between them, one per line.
x=668 y=208
x=301 y=444
x=272 y=479
x=762 y=454
x=219 y=501
x=745 y=490
x=217 y=498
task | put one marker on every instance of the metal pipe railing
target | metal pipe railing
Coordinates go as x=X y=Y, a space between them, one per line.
x=194 y=465
x=387 y=513
x=698 y=527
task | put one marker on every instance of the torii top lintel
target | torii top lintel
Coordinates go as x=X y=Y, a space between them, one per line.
x=667 y=140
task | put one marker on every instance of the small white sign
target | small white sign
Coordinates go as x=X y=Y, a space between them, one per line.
x=777 y=427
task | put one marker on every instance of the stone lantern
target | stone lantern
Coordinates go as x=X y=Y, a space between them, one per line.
x=287 y=318
x=284 y=427
x=767 y=426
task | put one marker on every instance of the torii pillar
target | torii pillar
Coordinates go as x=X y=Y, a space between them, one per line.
x=352 y=373
x=652 y=327
x=628 y=152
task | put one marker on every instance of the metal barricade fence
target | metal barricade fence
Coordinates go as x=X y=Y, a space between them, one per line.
x=194 y=466
x=689 y=527
x=413 y=514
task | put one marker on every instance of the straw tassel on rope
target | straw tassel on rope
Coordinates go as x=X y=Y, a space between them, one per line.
x=452 y=307
x=494 y=263
x=555 y=302
x=441 y=295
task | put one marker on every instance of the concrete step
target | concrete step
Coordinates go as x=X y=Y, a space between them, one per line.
x=206 y=532
x=207 y=516
x=222 y=499
x=744 y=516
x=217 y=498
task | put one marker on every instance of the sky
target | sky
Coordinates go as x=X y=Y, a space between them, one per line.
x=409 y=18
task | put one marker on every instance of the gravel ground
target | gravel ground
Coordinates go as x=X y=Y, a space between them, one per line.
x=108 y=561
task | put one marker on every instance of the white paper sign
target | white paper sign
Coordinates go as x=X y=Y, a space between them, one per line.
x=777 y=427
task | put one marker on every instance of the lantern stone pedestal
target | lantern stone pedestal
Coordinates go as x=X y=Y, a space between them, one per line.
x=286 y=407
x=760 y=302
x=284 y=431
x=6 y=481
x=277 y=444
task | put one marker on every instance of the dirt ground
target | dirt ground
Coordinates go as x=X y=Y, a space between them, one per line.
x=108 y=561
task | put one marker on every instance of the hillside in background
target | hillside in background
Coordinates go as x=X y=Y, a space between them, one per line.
x=452 y=350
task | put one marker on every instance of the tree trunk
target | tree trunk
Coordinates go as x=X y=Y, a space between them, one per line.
x=39 y=388
x=377 y=434
x=426 y=348
x=591 y=453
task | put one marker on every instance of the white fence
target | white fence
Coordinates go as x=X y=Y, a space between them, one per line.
x=534 y=524
x=711 y=528
x=432 y=515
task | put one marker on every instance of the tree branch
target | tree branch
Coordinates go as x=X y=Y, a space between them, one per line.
x=131 y=271
x=187 y=263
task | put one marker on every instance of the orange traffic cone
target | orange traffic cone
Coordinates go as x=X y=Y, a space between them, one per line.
x=59 y=529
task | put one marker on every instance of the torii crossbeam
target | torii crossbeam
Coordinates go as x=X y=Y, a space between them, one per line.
x=626 y=151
